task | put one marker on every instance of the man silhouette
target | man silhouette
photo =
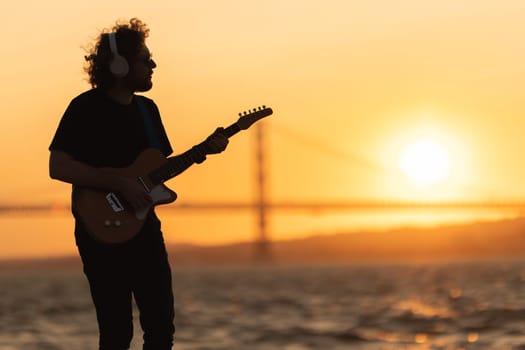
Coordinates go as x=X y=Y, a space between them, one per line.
x=104 y=127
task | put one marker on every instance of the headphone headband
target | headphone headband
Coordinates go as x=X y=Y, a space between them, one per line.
x=113 y=43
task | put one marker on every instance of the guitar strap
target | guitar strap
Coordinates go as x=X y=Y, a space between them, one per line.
x=151 y=132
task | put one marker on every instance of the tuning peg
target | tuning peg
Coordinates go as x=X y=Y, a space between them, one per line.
x=263 y=106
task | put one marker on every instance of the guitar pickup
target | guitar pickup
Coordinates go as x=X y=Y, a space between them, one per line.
x=114 y=202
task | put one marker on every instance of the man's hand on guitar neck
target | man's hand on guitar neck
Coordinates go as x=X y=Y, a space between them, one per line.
x=216 y=142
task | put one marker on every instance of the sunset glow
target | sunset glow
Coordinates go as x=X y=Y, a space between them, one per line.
x=373 y=100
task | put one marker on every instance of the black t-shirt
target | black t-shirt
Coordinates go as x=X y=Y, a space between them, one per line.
x=103 y=133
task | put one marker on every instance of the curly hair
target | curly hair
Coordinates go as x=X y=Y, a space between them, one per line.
x=130 y=38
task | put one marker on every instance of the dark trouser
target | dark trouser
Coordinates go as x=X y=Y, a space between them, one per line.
x=140 y=268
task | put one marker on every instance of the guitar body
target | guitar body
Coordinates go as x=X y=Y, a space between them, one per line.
x=106 y=216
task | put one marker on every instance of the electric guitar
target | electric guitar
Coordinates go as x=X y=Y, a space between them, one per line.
x=109 y=219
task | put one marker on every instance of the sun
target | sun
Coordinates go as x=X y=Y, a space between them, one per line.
x=425 y=162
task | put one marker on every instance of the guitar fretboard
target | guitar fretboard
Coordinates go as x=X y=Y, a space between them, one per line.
x=177 y=164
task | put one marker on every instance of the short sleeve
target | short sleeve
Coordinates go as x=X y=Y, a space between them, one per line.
x=70 y=132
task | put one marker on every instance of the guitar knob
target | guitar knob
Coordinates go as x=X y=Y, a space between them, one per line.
x=117 y=223
x=107 y=223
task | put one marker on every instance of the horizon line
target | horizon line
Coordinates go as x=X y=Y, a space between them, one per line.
x=298 y=205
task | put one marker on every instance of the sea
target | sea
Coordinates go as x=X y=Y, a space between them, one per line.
x=366 y=306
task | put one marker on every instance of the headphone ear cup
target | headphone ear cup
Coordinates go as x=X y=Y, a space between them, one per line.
x=119 y=66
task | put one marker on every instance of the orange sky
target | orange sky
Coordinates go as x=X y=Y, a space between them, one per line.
x=350 y=82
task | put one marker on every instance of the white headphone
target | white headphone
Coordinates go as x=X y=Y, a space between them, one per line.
x=118 y=66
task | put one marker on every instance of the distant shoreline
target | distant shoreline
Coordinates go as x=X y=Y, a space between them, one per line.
x=483 y=240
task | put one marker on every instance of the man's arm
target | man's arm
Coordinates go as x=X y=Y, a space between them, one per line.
x=65 y=168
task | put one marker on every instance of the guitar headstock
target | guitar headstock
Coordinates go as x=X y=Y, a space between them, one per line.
x=248 y=118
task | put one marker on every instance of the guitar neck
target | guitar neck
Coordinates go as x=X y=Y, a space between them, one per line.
x=178 y=164
x=232 y=130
